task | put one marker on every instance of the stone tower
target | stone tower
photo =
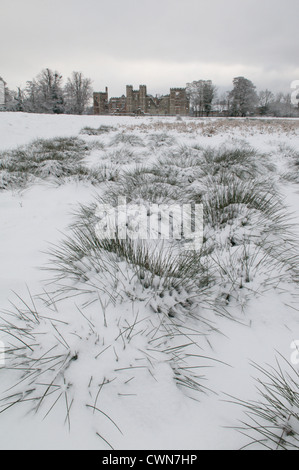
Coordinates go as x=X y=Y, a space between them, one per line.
x=129 y=106
x=101 y=102
x=142 y=98
x=178 y=102
x=136 y=100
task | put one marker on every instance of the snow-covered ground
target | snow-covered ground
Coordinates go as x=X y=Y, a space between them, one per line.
x=144 y=403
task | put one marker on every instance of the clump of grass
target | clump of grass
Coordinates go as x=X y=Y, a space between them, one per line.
x=273 y=421
x=124 y=155
x=132 y=140
x=14 y=179
x=97 y=131
x=96 y=145
x=161 y=139
x=157 y=265
x=243 y=162
x=147 y=185
x=250 y=234
x=105 y=172
x=292 y=157
x=180 y=164
x=225 y=202
x=42 y=159
x=288 y=152
x=182 y=156
x=95 y=175
x=59 y=148
x=58 y=160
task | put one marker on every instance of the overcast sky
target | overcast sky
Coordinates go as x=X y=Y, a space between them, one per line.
x=161 y=43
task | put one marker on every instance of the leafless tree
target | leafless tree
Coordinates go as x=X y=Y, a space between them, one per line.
x=201 y=94
x=78 y=92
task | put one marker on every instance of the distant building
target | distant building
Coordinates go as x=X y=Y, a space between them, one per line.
x=2 y=93
x=140 y=103
x=100 y=103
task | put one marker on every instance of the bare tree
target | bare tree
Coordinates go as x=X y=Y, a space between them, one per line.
x=13 y=99
x=282 y=106
x=32 y=101
x=222 y=103
x=266 y=99
x=78 y=92
x=201 y=94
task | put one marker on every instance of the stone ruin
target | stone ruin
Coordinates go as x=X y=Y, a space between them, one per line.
x=138 y=102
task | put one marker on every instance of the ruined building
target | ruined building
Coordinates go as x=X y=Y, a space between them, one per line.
x=139 y=102
x=100 y=102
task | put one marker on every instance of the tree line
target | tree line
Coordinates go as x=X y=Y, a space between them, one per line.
x=46 y=93
x=243 y=100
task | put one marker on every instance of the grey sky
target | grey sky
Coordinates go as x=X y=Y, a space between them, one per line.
x=161 y=43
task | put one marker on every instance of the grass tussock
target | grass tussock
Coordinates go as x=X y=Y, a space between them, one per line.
x=160 y=140
x=102 y=130
x=291 y=155
x=124 y=156
x=272 y=421
x=129 y=139
x=57 y=160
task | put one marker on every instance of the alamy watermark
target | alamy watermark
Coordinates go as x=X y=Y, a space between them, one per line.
x=151 y=222
x=295 y=353
x=295 y=93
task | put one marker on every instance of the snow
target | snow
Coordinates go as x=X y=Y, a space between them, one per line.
x=149 y=409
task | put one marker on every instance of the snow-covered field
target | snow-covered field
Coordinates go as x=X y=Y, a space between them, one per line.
x=123 y=350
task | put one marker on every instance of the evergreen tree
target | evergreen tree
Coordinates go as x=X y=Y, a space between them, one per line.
x=243 y=98
x=50 y=93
